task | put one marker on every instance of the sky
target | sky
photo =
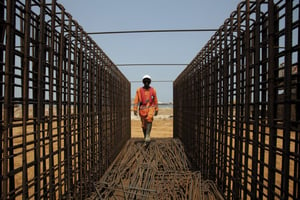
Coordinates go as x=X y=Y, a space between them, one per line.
x=151 y=48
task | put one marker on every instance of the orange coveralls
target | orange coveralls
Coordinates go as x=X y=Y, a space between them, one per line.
x=146 y=101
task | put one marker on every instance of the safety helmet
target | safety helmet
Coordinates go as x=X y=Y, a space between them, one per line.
x=146 y=77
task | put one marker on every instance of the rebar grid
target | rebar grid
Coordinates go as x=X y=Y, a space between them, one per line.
x=237 y=104
x=65 y=105
x=159 y=170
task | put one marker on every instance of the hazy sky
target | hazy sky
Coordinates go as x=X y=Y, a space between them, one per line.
x=151 y=48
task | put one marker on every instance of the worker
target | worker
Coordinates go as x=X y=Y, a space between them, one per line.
x=146 y=101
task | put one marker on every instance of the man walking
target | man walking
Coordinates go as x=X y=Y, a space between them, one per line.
x=146 y=100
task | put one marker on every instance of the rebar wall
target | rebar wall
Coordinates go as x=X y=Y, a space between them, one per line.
x=237 y=104
x=65 y=106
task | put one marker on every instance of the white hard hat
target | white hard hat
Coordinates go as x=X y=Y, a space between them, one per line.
x=146 y=76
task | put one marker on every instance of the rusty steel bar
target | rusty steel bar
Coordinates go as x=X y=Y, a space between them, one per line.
x=2 y=49
x=160 y=170
x=25 y=109
x=7 y=96
x=60 y=100
x=243 y=88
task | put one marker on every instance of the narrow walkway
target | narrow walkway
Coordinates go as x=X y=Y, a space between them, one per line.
x=159 y=170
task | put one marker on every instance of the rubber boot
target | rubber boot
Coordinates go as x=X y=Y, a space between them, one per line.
x=148 y=130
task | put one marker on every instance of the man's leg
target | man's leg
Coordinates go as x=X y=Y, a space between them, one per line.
x=148 y=130
x=149 y=120
x=144 y=126
x=144 y=132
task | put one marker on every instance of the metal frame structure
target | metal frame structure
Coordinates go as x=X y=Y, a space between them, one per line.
x=237 y=104
x=65 y=105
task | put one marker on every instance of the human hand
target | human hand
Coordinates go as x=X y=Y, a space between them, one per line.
x=156 y=112
x=135 y=113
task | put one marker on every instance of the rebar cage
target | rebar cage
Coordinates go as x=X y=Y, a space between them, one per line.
x=237 y=104
x=65 y=105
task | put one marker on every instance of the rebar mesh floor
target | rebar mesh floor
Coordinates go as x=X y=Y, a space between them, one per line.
x=159 y=170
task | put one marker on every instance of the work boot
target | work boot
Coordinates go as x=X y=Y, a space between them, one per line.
x=148 y=130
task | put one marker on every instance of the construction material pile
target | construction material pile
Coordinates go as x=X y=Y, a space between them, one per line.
x=159 y=170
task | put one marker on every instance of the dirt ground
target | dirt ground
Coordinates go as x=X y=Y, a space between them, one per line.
x=162 y=126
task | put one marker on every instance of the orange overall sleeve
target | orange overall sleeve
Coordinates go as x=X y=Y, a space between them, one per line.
x=155 y=101
x=137 y=100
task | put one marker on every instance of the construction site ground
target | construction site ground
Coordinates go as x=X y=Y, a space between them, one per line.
x=156 y=170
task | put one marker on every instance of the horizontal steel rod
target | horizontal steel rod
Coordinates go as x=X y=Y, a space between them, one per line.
x=153 y=31
x=151 y=64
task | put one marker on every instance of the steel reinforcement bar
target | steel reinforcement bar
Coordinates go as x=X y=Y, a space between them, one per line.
x=65 y=106
x=237 y=104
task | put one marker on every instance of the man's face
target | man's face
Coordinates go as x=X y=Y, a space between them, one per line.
x=146 y=82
